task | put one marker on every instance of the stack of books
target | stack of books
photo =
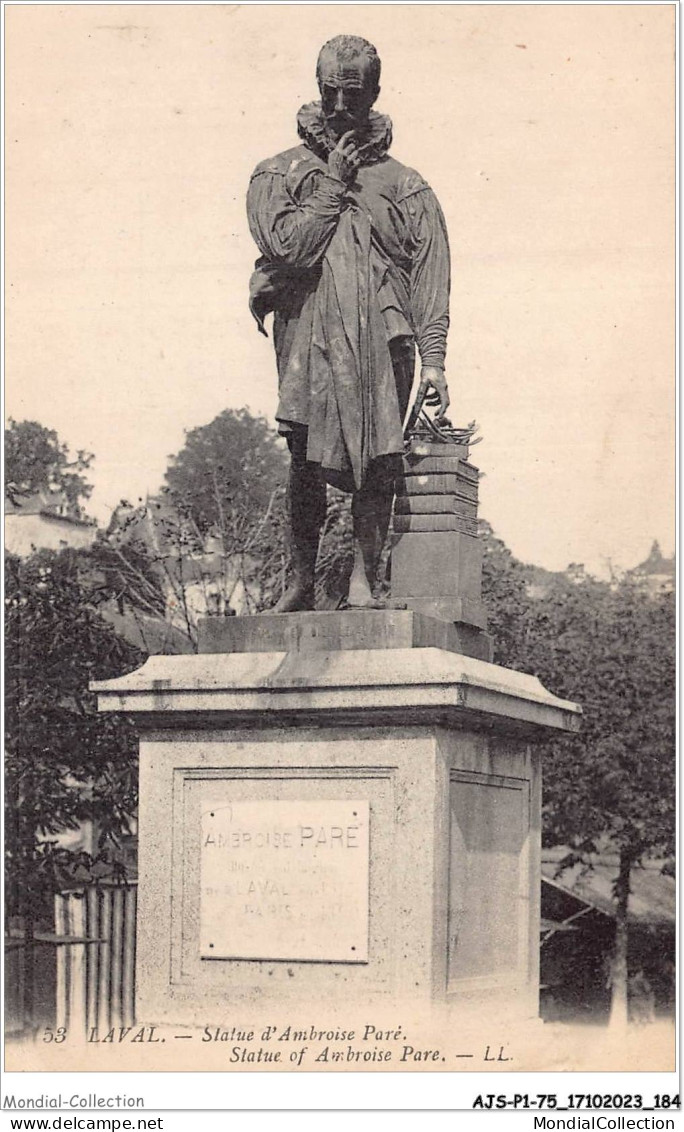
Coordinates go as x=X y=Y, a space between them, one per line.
x=437 y=490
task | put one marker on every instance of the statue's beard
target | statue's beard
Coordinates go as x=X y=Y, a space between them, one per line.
x=340 y=122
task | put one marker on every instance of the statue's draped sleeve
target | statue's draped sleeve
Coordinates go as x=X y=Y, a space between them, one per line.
x=294 y=234
x=430 y=269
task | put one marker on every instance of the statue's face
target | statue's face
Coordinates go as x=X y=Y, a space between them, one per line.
x=347 y=93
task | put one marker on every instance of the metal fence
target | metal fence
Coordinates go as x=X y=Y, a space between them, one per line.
x=95 y=973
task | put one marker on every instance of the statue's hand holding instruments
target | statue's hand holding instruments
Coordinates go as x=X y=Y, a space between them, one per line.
x=437 y=392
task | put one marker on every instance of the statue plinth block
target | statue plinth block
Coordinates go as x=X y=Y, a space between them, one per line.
x=448 y=563
x=328 y=631
x=350 y=825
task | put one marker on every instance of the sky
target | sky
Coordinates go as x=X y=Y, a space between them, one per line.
x=547 y=133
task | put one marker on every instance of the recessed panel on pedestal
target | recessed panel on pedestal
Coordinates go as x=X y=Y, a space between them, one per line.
x=285 y=880
x=488 y=878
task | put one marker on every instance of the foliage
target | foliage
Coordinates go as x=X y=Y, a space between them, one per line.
x=35 y=459
x=505 y=593
x=216 y=536
x=157 y=565
x=213 y=536
x=225 y=475
x=128 y=580
x=64 y=762
x=611 y=646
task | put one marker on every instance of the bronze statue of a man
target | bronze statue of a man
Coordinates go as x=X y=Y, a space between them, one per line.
x=355 y=267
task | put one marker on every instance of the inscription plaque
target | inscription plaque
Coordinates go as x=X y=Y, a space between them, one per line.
x=285 y=880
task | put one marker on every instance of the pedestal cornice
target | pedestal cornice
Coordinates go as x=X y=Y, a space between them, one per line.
x=401 y=685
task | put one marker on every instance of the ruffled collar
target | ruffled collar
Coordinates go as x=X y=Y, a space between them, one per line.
x=311 y=129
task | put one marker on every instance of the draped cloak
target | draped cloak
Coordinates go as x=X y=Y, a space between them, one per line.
x=355 y=275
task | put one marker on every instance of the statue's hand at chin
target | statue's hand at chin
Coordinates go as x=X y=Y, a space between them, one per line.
x=344 y=159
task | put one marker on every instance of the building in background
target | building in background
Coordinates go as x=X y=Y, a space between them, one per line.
x=43 y=521
x=656 y=573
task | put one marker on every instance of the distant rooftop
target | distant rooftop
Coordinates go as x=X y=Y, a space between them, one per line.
x=653 y=893
x=48 y=504
x=656 y=564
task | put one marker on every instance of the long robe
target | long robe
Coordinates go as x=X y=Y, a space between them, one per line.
x=355 y=276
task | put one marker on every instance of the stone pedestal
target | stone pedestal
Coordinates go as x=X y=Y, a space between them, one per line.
x=335 y=807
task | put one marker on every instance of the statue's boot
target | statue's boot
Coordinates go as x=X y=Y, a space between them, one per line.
x=300 y=594
x=306 y=506
x=371 y=511
x=374 y=603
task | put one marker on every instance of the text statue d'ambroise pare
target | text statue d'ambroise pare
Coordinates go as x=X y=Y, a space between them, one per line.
x=355 y=268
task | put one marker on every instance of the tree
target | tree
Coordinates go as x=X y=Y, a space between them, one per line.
x=611 y=647
x=215 y=532
x=36 y=460
x=506 y=597
x=64 y=764
x=224 y=477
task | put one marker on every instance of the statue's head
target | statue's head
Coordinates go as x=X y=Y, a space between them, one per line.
x=348 y=74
